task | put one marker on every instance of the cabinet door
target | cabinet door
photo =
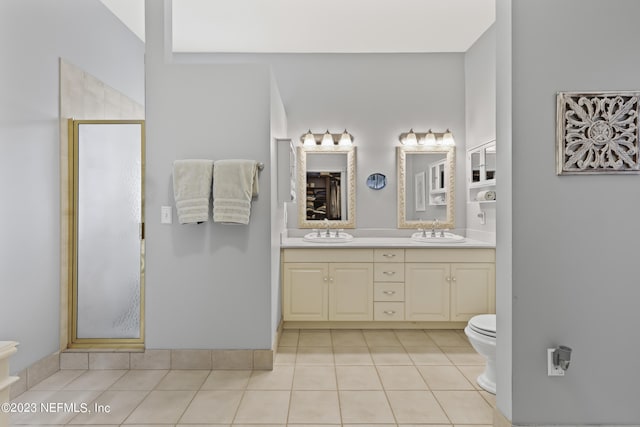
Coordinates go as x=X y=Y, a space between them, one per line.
x=305 y=293
x=351 y=291
x=472 y=290
x=427 y=291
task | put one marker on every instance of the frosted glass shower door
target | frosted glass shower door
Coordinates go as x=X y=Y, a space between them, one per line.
x=109 y=245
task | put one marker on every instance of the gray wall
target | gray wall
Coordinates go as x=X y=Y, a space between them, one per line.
x=504 y=233
x=34 y=34
x=480 y=89
x=480 y=108
x=208 y=285
x=575 y=255
x=376 y=97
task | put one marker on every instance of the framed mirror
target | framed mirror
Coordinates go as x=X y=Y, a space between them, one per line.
x=426 y=186
x=326 y=186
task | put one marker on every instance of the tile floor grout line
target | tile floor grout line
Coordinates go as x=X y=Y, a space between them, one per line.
x=235 y=413
x=335 y=375
x=186 y=408
x=386 y=396
x=101 y=392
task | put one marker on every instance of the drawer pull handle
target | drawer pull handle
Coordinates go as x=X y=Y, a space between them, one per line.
x=389 y=312
x=448 y=279
x=389 y=273
x=325 y=279
x=389 y=292
x=454 y=279
x=389 y=255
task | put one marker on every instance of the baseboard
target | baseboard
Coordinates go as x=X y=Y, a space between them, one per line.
x=35 y=373
x=98 y=359
x=499 y=420
x=371 y=325
x=258 y=359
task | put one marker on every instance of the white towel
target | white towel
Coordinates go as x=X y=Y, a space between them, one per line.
x=192 y=189
x=235 y=183
x=486 y=195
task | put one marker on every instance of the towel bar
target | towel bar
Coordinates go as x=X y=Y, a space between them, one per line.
x=260 y=165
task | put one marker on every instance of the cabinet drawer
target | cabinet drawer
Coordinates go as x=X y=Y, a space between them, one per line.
x=388 y=255
x=388 y=311
x=328 y=255
x=388 y=272
x=450 y=255
x=388 y=291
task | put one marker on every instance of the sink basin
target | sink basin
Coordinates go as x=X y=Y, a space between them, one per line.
x=322 y=238
x=448 y=238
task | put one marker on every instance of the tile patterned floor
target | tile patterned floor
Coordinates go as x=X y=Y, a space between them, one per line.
x=328 y=377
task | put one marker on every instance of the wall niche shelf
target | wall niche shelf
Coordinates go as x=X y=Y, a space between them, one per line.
x=437 y=183
x=481 y=171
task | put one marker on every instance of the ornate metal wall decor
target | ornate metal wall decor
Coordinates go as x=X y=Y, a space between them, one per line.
x=598 y=132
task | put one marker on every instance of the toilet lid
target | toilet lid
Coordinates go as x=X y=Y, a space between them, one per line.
x=484 y=324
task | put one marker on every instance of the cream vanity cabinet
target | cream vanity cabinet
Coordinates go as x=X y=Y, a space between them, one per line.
x=388 y=284
x=327 y=284
x=449 y=284
x=427 y=291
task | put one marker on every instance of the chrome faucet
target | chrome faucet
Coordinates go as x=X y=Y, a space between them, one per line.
x=434 y=225
x=326 y=224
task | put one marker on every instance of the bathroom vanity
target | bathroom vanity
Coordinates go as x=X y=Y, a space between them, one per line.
x=427 y=280
x=386 y=283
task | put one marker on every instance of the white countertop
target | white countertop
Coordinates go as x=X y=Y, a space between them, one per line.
x=381 y=242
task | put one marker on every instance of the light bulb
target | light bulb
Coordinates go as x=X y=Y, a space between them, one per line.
x=327 y=139
x=411 y=138
x=447 y=139
x=309 y=140
x=345 y=138
x=430 y=138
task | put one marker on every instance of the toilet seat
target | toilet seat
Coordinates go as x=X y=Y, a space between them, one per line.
x=484 y=324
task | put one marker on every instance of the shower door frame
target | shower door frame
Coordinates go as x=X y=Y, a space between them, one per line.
x=98 y=343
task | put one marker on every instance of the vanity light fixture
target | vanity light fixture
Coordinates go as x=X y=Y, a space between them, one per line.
x=447 y=139
x=429 y=138
x=345 y=139
x=308 y=140
x=326 y=139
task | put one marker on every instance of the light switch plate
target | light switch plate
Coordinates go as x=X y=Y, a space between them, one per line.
x=166 y=215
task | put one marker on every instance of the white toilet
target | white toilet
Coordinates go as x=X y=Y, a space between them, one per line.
x=481 y=331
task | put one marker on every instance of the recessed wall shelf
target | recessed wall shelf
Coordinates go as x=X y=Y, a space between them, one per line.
x=481 y=172
x=437 y=183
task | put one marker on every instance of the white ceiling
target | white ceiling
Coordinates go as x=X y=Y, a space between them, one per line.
x=318 y=25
